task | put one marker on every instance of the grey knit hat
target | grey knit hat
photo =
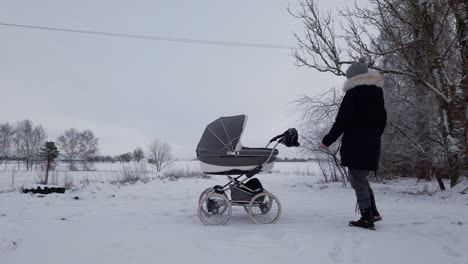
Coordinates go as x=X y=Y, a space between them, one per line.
x=357 y=68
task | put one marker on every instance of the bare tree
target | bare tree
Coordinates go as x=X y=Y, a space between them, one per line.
x=159 y=154
x=6 y=139
x=23 y=141
x=27 y=142
x=427 y=41
x=88 y=147
x=39 y=137
x=412 y=137
x=16 y=148
x=69 y=146
x=78 y=146
x=138 y=154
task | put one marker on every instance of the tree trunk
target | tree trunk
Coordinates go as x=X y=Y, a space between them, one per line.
x=440 y=182
x=460 y=10
x=455 y=135
x=46 y=180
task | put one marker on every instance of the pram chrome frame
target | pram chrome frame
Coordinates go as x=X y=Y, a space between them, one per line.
x=235 y=182
x=263 y=200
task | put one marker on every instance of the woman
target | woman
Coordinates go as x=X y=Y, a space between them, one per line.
x=361 y=119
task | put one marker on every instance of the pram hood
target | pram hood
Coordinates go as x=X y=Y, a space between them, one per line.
x=220 y=150
x=223 y=134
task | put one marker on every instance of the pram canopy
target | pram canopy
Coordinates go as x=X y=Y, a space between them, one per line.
x=220 y=150
x=223 y=134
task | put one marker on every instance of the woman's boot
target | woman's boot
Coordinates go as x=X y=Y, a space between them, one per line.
x=366 y=220
x=376 y=215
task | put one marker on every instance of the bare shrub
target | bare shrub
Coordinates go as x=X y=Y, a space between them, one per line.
x=184 y=173
x=54 y=178
x=303 y=172
x=85 y=182
x=317 y=114
x=39 y=177
x=13 y=174
x=67 y=181
x=132 y=174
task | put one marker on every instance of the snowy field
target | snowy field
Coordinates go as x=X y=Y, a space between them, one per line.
x=157 y=222
x=12 y=178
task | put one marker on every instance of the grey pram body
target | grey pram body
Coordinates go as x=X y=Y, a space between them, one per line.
x=220 y=150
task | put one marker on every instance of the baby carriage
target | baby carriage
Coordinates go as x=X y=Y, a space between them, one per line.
x=220 y=152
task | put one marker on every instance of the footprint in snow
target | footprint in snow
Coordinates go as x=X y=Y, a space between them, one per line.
x=357 y=248
x=7 y=246
x=448 y=248
x=336 y=252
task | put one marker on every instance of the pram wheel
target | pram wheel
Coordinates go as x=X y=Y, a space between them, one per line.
x=264 y=208
x=246 y=206
x=205 y=192
x=214 y=209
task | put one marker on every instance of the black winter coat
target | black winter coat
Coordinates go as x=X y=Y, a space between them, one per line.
x=361 y=119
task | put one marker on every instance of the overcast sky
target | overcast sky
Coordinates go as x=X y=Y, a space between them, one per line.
x=129 y=91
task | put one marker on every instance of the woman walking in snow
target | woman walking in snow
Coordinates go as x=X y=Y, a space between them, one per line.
x=361 y=119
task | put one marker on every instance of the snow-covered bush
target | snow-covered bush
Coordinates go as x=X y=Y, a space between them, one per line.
x=132 y=174
x=67 y=181
x=183 y=173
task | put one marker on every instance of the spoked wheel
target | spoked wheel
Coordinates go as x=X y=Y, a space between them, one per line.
x=214 y=209
x=206 y=192
x=264 y=208
x=246 y=206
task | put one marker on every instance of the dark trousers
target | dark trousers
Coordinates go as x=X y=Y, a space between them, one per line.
x=360 y=183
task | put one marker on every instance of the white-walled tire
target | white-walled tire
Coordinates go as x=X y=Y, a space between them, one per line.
x=206 y=191
x=246 y=206
x=214 y=209
x=264 y=208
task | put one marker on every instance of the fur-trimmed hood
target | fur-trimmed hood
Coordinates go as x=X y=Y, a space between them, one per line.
x=371 y=78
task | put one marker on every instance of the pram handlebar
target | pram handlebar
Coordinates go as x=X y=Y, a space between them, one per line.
x=288 y=138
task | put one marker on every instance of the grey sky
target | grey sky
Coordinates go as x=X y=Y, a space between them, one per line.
x=129 y=91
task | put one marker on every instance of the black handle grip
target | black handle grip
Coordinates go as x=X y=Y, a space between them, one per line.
x=290 y=138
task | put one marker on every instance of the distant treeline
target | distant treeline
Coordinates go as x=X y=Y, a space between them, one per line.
x=22 y=142
x=293 y=159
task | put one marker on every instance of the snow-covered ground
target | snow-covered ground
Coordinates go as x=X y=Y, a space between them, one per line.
x=157 y=222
